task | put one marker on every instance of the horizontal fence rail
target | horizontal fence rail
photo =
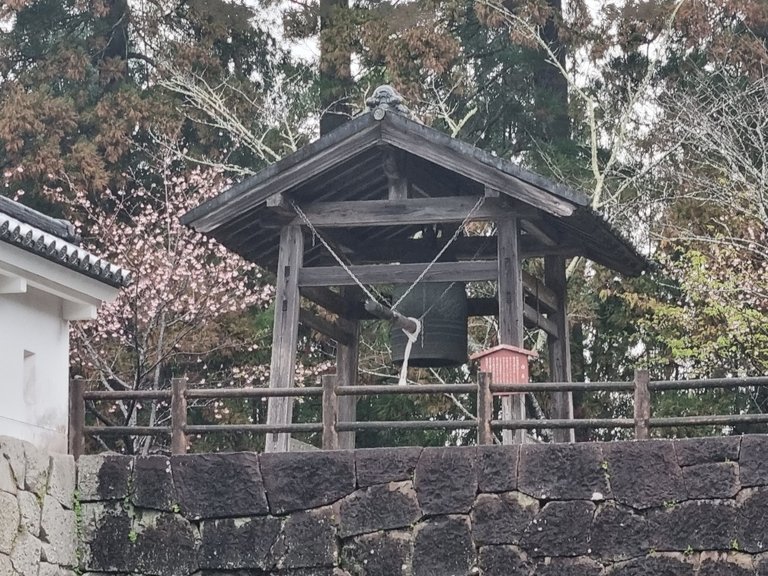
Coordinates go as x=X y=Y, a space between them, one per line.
x=483 y=423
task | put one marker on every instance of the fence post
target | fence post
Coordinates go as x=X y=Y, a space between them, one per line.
x=178 y=416
x=76 y=417
x=642 y=405
x=484 y=409
x=330 y=413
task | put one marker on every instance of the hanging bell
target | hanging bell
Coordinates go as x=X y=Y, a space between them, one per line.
x=443 y=338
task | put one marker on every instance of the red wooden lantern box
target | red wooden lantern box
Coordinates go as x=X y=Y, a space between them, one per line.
x=507 y=364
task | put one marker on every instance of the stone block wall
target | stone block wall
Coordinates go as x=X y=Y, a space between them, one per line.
x=661 y=508
x=38 y=521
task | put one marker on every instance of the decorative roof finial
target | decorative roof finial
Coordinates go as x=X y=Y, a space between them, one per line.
x=385 y=99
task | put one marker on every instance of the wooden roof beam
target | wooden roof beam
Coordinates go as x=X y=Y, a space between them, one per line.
x=404 y=212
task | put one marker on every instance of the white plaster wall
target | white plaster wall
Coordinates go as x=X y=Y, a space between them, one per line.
x=34 y=406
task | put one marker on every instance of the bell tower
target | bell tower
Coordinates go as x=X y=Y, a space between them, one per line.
x=383 y=200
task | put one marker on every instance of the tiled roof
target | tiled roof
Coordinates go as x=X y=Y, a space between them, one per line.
x=59 y=247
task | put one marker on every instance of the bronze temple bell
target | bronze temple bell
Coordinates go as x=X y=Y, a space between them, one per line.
x=443 y=338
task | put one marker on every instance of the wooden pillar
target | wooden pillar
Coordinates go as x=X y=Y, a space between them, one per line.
x=484 y=409
x=511 y=330
x=330 y=412
x=560 y=346
x=179 y=442
x=642 y=405
x=346 y=369
x=76 y=417
x=285 y=333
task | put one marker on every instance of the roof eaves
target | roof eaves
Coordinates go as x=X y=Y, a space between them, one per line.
x=58 y=250
x=506 y=166
x=60 y=228
x=257 y=182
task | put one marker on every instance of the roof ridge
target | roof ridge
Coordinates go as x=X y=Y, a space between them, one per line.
x=59 y=227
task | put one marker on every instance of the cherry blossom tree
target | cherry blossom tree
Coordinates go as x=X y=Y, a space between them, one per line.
x=183 y=311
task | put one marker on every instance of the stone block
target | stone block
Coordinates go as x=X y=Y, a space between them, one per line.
x=560 y=529
x=568 y=567
x=316 y=571
x=103 y=477
x=378 y=554
x=694 y=525
x=726 y=564
x=761 y=564
x=165 y=545
x=753 y=461
x=107 y=538
x=37 y=465
x=752 y=533
x=219 y=485
x=562 y=471
x=52 y=570
x=7 y=481
x=13 y=451
x=153 y=483
x=380 y=507
x=383 y=465
x=309 y=539
x=644 y=474
x=298 y=481
x=9 y=521
x=693 y=451
x=502 y=518
x=58 y=532
x=61 y=481
x=443 y=546
x=618 y=533
x=29 y=510
x=712 y=480
x=655 y=565
x=25 y=556
x=446 y=480
x=503 y=561
x=235 y=543
x=6 y=568
x=497 y=468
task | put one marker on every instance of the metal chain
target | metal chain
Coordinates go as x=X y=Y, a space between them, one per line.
x=456 y=234
x=336 y=257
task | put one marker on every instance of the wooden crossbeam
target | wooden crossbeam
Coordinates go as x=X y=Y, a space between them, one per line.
x=398 y=273
x=463 y=248
x=406 y=212
x=326 y=327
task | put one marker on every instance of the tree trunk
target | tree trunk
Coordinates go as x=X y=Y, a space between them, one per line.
x=551 y=87
x=335 y=67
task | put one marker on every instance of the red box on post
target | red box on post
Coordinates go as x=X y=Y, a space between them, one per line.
x=507 y=364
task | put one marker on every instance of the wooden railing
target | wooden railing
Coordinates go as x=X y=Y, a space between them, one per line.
x=180 y=394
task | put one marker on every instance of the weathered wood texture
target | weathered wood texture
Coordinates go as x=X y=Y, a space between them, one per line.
x=76 y=417
x=463 y=248
x=347 y=356
x=642 y=405
x=330 y=413
x=558 y=344
x=395 y=169
x=328 y=299
x=178 y=416
x=285 y=333
x=398 y=273
x=326 y=327
x=464 y=159
x=294 y=170
x=484 y=409
x=511 y=327
x=403 y=212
